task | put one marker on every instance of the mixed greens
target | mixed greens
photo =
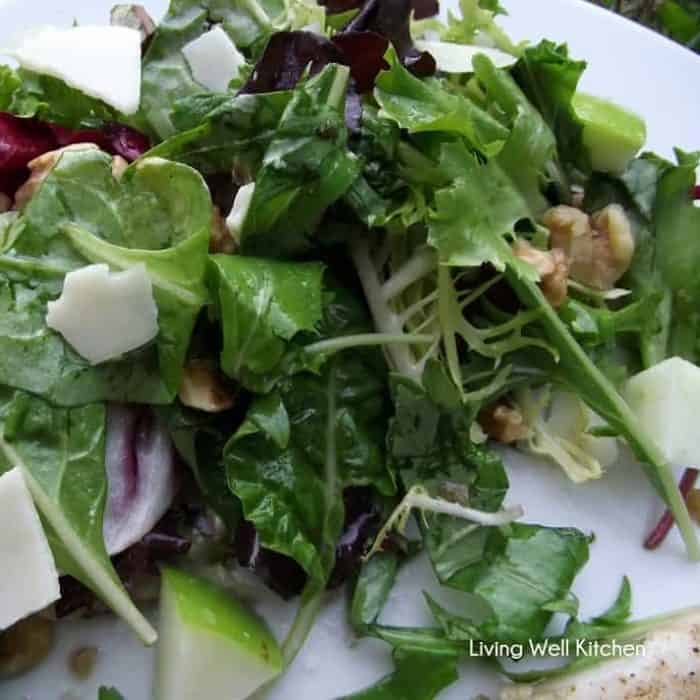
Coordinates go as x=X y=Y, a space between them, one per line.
x=389 y=239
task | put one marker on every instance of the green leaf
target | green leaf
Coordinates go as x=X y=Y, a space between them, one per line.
x=263 y=304
x=618 y=614
x=416 y=677
x=425 y=105
x=159 y=214
x=61 y=454
x=549 y=78
x=374 y=583
x=220 y=133
x=524 y=568
x=109 y=694
x=531 y=144
x=676 y=224
x=199 y=439
x=280 y=474
x=166 y=76
x=306 y=168
x=28 y=94
x=477 y=22
x=474 y=216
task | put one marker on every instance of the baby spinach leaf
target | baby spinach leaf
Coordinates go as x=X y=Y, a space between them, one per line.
x=416 y=677
x=263 y=304
x=306 y=168
x=159 y=215
x=425 y=105
x=61 y=455
x=166 y=76
x=277 y=461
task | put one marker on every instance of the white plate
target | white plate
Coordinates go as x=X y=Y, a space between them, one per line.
x=636 y=68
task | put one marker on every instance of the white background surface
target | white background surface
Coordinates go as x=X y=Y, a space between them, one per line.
x=637 y=69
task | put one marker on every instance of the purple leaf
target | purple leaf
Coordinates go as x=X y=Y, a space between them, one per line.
x=141 y=474
x=285 y=59
x=392 y=19
x=22 y=140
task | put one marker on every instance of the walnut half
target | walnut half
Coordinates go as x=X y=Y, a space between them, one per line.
x=552 y=266
x=503 y=423
x=204 y=388
x=599 y=248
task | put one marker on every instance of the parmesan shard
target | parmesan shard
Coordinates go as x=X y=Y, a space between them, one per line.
x=214 y=59
x=105 y=314
x=28 y=575
x=102 y=61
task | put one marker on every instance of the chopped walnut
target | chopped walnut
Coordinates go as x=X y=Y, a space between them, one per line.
x=119 y=165
x=221 y=240
x=552 y=267
x=40 y=167
x=204 y=388
x=503 y=423
x=5 y=203
x=599 y=248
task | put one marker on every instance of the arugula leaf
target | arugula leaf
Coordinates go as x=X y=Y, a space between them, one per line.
x=522 y=571
x=549 y=78
x=416 y=677
x=221 y=133
x=263 y=304
x=109 y=694
x=576 y=371
x=676 y=223
x=162 y=212
x=306 y=168
x=61 y=454
x=617 y=614
x=166 y=76
x=372 y=588
x=425 y=105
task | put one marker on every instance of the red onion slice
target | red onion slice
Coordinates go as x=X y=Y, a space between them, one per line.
x=141 y=475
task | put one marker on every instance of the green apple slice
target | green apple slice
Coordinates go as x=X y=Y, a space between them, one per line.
x=210 y=645
x=612 y=134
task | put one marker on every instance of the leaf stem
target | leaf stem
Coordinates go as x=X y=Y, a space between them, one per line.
x=366 y=340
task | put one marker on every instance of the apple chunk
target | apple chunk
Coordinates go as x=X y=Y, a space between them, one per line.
x=210 y=645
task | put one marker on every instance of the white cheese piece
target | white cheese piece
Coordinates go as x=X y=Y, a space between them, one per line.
x=104 y=314
x=101 y=61
x=214 y=59
x=239 y=210
x=28 y=576
x=666 y=400
x=457 y=58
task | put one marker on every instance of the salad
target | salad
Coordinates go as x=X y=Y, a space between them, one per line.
x=276 y=278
